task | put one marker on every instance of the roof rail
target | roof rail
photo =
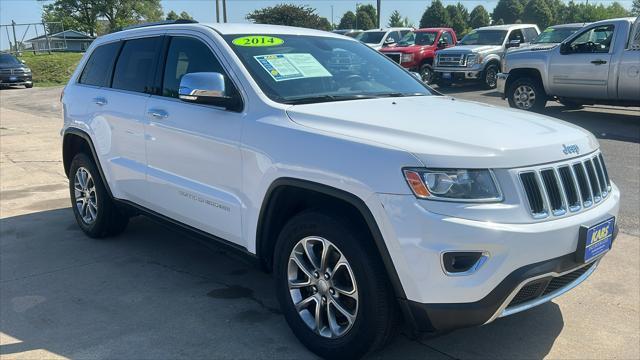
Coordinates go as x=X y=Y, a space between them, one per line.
x=164 y=22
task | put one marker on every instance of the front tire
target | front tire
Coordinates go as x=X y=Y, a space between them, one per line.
x=331 y=287
x=28 y=86
x=426 y=73
x=527 y=94
x=95 y=211
x=491 y=76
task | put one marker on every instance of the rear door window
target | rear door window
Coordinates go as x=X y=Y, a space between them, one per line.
x=530 y=34
x=136 y=66
x=97 y=71
x=448 y=39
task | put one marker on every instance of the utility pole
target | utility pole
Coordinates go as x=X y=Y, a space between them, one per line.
x=357 y=4
x=378 y=22
x=224 y=11
x=218 y=11
x=332 y=25
x=15 y=40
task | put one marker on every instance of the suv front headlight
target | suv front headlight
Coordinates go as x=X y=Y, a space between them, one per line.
x=470 y=185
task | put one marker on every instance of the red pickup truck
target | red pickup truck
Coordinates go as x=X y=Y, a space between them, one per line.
x=416 y=50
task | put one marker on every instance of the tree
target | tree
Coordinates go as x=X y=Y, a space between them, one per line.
x=479 y=17
x=172 y=15
x=348 y=21
x=81 y=15
x=395 y=20
x=121 y=13
x=635 y=8
x=435 y=16
x=458 y=18
x=290 y=15
x=509 y=11
x=372 y=14
x=364 y=21
x=538 y=12
x=615 y=10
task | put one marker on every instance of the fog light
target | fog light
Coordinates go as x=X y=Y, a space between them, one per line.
x=458 y=263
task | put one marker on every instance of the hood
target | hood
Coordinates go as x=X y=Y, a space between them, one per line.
x=408 y=49
x=467 y=49
x=445 y=133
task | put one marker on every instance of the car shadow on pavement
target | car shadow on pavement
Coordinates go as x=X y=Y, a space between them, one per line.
x=154 y=292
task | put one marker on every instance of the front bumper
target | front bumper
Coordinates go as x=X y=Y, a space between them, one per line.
x=16 y=80
x=517 y=255
x=501 y=84
x=457 y=74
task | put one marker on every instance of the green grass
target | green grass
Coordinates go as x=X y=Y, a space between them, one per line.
x=53 y=69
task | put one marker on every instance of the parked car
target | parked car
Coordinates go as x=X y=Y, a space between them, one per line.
x=600 y=64
x=379 y=38
x=417 y=49
x=14 y=72
x=477 y=56
x=371 y=198
x=348 y=32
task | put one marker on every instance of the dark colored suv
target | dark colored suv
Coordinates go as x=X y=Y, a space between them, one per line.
x=14 y=72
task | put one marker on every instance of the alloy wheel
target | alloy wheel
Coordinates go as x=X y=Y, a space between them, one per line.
x=85 y=196
x=524 y=97
x=322 y=287
x=426 y=75
x=491 y=77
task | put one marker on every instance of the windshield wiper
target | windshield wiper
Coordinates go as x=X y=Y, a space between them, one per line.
x=330 y=98
x=325 y=98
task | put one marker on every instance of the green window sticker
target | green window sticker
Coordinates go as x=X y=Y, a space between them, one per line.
x=257 y=40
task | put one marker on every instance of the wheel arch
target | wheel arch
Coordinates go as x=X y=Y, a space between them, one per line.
x=519 y=73
x=74 y=141
x=296 y=195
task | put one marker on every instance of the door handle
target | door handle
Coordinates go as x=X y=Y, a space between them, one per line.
x=599 y=62
x=158 y=114
x=100 y=100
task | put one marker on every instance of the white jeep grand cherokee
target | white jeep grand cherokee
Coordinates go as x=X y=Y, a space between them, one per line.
x=372 y=198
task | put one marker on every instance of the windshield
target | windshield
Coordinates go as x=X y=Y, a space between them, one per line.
x=371 y=37
x=297 y=69
x=418 y=38
x=7 y=59
x=484 y=37
x=551 y=35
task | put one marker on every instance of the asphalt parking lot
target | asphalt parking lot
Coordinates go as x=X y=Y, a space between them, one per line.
x=154 y=292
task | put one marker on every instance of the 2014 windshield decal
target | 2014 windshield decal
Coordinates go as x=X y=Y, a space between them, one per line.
x=257 y=41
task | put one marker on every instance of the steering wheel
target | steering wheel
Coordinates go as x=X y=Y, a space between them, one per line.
x=353 y=79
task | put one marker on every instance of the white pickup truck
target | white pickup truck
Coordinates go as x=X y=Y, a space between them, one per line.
x=598 y=65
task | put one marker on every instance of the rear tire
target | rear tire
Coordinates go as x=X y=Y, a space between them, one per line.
x=95 y=211
x=375 y=311
x=527 y=94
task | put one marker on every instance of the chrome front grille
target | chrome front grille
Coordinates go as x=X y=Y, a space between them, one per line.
x=565 y=187
x=451 y=60
x=11 y=71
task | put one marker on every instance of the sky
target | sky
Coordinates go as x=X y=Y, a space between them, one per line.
x=28 y=11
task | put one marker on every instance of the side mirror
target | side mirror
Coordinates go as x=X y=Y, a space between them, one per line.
x=441 y=44
x=513 y=43
x=205 y=88
x=565 y=48
x=389 y=41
